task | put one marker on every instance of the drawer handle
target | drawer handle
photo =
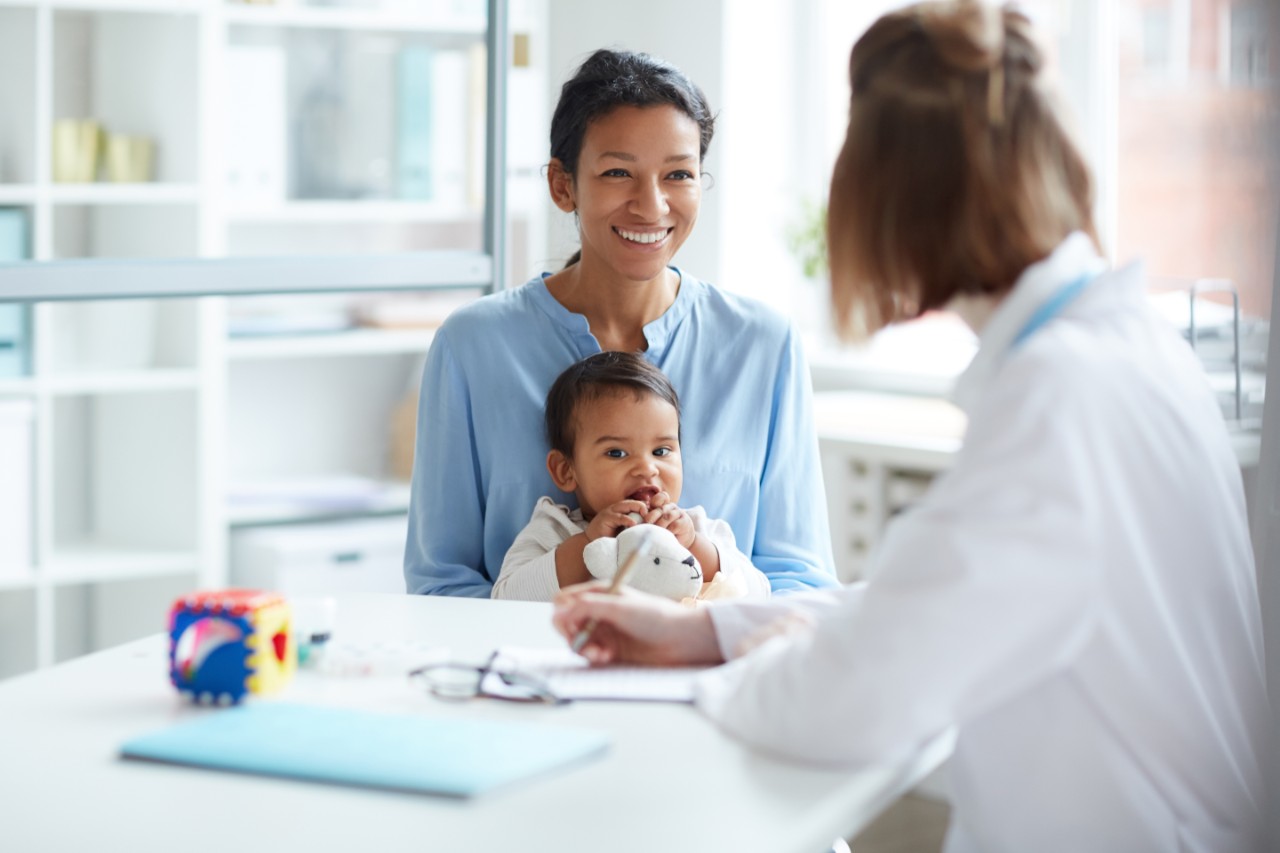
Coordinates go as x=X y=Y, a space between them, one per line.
x=348 y=557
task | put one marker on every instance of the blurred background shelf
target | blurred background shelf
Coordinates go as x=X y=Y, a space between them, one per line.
x=355 y=342
x=123 y=194
x=461 y=19
x=151 y=132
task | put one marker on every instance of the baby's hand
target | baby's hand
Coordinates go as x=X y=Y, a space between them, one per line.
x=614 y=519
x=677 y=521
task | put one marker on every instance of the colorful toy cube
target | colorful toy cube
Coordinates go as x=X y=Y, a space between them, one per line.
x=227 y=643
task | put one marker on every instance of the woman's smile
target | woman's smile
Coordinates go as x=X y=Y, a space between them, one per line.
x=646 y=239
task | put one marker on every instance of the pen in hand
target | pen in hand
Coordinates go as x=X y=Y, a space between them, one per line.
x=615 y=587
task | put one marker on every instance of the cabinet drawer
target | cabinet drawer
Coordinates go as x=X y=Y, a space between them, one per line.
x=363 y=555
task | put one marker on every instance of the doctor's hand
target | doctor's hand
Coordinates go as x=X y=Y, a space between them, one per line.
x=635 y=627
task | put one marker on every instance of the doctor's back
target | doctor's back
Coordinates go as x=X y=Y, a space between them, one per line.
x=1101 y=442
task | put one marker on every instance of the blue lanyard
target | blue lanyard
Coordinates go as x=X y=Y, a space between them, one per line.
x=1051 y=307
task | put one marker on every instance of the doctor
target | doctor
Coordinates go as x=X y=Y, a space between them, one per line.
x=1077 y=595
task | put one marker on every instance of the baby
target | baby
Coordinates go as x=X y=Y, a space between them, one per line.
x=613 y=423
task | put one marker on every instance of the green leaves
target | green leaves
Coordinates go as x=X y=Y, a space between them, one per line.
x=807 y=239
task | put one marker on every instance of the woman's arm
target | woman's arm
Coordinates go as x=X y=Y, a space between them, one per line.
x=736 y=572
x=793 y=542
x=445 y=548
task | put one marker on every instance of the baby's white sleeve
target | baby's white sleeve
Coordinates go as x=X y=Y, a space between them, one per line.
x=529 y=568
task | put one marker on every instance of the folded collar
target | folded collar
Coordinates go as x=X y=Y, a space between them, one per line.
x=1074 y=256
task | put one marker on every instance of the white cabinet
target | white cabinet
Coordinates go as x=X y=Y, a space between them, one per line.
x=309 y=560
x=879 y=453
x=147 y=132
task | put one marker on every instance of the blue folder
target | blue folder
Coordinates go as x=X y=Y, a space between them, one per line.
x=451 y=757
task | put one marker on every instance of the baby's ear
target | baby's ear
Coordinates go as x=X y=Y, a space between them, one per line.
x=560 y=467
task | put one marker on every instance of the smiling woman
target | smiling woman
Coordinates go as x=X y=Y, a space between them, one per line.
x=636 y=197
x=628 y=139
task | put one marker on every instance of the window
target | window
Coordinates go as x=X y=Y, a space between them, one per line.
x=1195 y=183
x=1174 y=104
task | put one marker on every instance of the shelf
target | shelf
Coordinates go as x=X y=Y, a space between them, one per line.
x=379 y=211
x=170 y=7
x=19 y=579
x=102 y=193
x=356 y=342
x=899 y=419
x=365 y=499
x=122 y=382
x=294 y=514
x=307 y=17
x=93 y=563
x=23 y=386
x=1247 y=444
x=15 y=194
x=158 y=433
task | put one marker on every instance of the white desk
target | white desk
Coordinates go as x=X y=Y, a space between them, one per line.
x=670 y=781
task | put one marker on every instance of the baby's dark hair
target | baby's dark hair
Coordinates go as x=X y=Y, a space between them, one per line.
x=597 y=376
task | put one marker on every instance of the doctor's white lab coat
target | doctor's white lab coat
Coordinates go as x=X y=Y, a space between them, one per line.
x=1077 y=596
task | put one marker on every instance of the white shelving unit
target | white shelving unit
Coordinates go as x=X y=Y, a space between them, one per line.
x=148 y=416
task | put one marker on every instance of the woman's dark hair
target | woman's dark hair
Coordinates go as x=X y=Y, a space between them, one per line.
x=609 y=79
x=597 y=376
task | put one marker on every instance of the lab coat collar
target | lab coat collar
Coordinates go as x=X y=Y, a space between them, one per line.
x=1075 y=256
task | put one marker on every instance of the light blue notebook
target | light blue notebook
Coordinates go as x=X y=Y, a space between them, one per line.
x=459 y=758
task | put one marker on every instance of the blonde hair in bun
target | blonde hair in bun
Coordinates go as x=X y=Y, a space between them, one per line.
x=957 y=171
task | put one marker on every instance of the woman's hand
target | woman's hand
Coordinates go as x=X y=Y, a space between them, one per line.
x=636 y=627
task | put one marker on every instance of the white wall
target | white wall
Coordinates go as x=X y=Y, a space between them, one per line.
x=771 y=149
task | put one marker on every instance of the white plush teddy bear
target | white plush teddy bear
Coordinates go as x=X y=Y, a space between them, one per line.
x=665 y=567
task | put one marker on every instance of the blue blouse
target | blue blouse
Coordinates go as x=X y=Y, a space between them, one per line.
x=747 y=435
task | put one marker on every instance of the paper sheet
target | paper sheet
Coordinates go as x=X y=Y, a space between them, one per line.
x=570 y=676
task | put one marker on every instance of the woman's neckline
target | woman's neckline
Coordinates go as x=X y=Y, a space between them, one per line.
x=619 y=320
